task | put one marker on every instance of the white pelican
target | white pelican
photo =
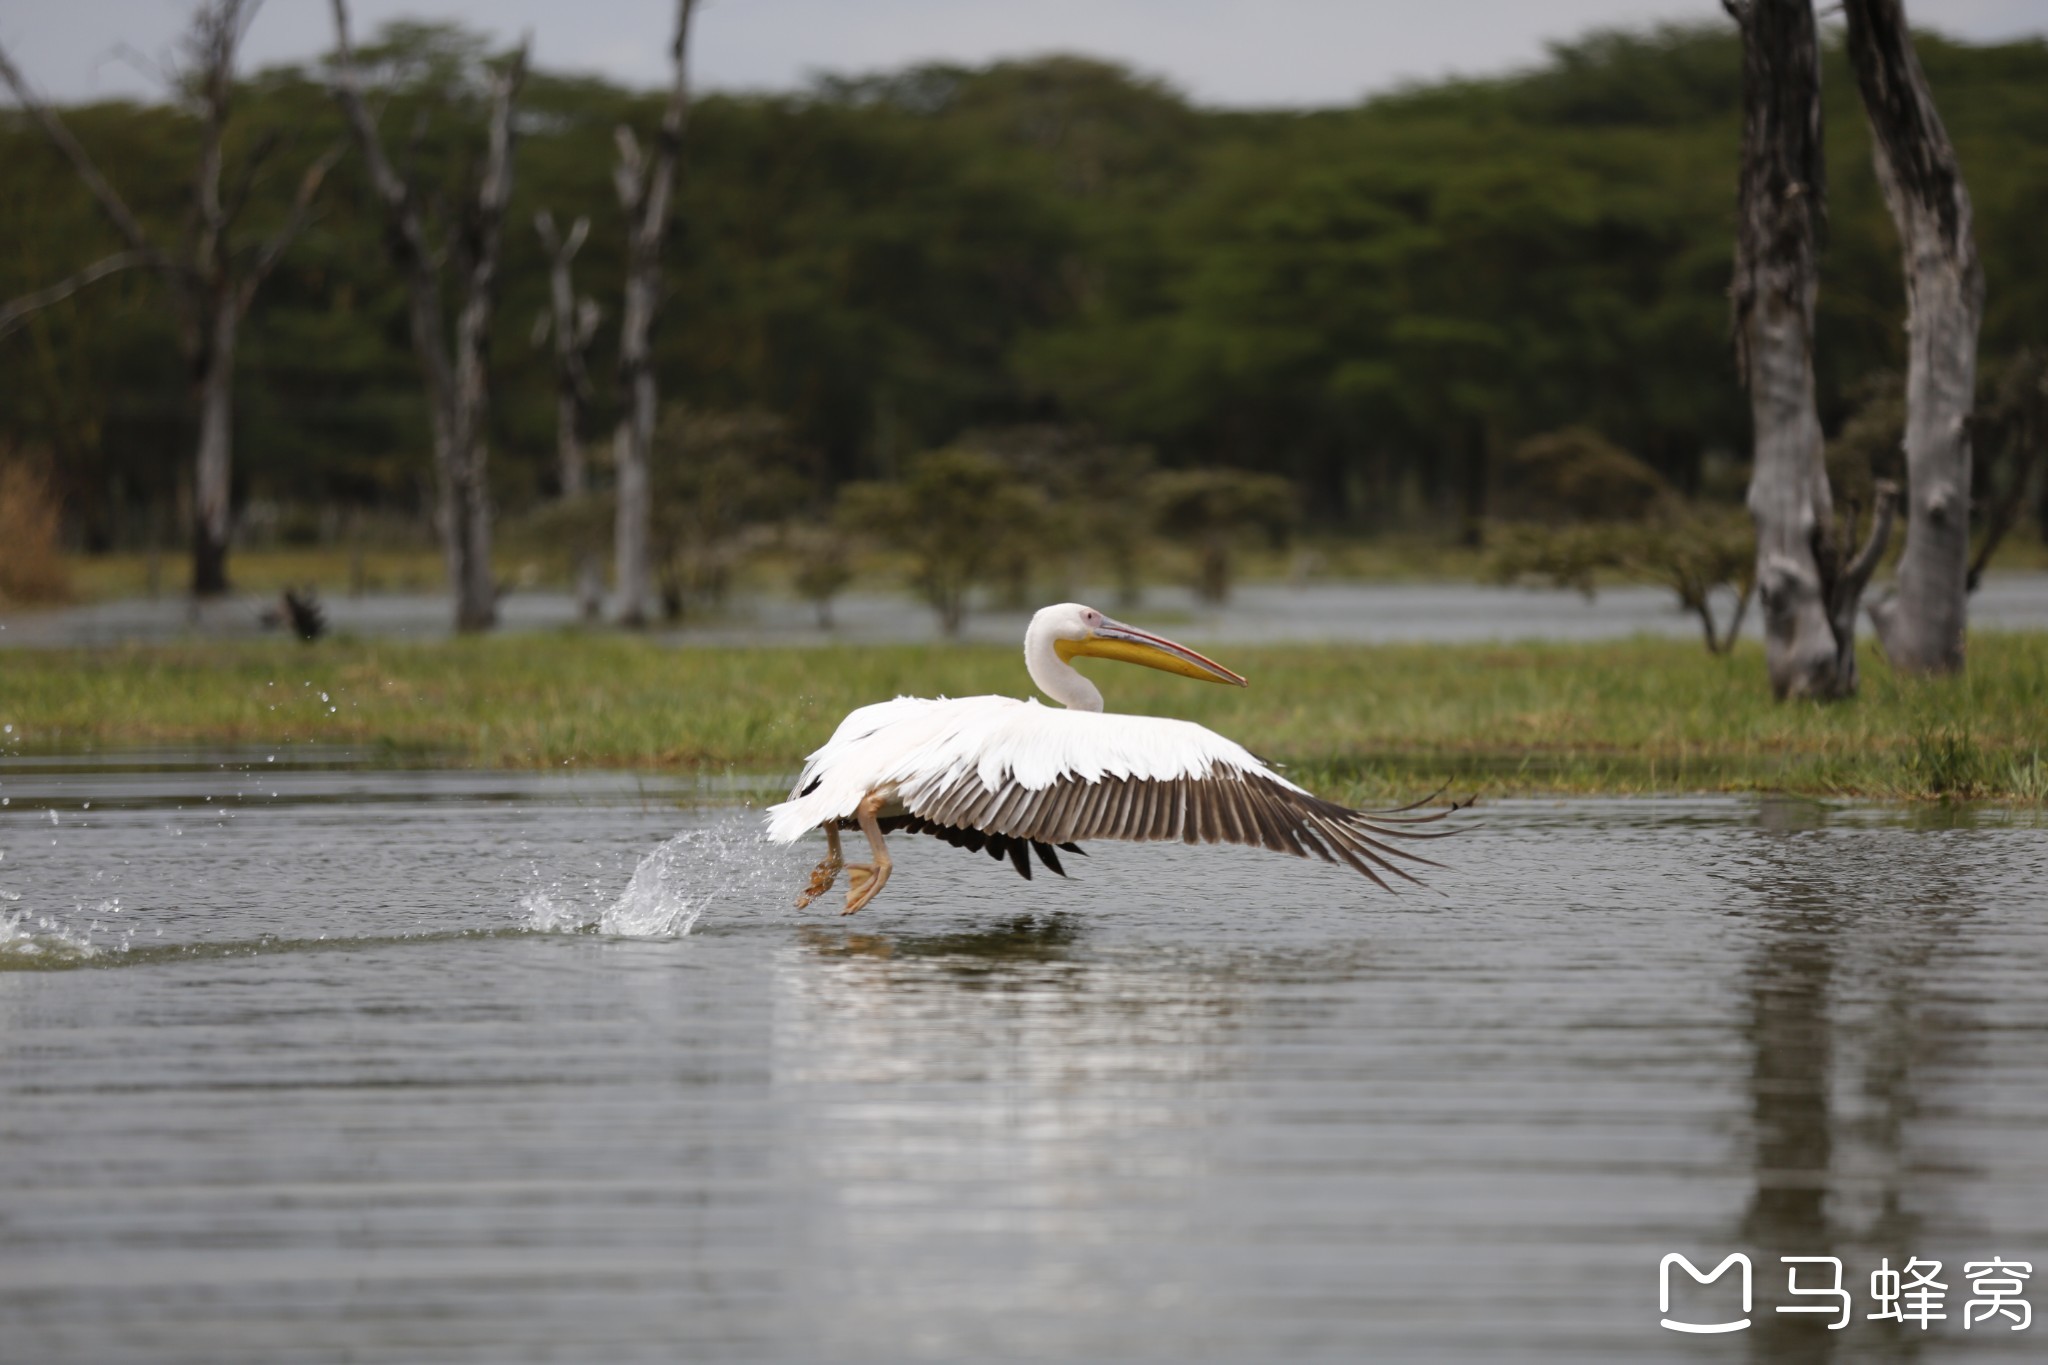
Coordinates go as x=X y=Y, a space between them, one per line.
x=1003 y=774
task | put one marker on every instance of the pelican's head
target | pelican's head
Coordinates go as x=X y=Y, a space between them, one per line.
x=1075 y=630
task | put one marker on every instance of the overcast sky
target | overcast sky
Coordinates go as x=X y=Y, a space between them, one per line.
x=1235 y=52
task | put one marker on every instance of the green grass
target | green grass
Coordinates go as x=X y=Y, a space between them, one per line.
x=1364 y=724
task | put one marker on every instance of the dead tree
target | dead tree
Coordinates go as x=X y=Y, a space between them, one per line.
x=213 y=276
x=1807 y=586
x=454 y=368
x=1922 y=621
x=571 y=322
x=646 y=188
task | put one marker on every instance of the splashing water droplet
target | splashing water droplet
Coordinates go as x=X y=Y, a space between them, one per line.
x=674 y=884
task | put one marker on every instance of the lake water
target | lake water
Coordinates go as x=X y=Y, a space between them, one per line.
x=1257 y=613
x=308 y=1063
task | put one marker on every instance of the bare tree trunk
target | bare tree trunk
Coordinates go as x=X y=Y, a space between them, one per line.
x=1781 y=213
x=572 y=322
x=210 y=291
x=457 y=384
x=1921 y=623
x=476 y=606
x=645 y=194
x=213 y=469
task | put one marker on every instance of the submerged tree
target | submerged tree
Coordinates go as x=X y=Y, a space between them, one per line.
x=1921 y=622
x=455 y=368
x=213 y=274
x=1807 y=584
x=646 y=193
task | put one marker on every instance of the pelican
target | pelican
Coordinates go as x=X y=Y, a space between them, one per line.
x=1014 y=777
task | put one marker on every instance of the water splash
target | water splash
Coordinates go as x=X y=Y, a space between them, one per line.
x=32 y=942
x=670 y=889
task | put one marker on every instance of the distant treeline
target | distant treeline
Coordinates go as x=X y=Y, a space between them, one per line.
x=1376 y=301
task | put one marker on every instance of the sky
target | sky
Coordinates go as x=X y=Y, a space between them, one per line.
x=1248 y=53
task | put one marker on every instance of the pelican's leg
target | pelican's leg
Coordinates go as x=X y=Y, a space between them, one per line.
x=863 y=880
x=827 y=870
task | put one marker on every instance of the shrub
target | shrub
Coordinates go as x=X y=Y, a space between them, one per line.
x=31 y=562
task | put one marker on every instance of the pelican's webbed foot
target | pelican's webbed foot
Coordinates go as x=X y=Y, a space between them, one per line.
x=826 y=872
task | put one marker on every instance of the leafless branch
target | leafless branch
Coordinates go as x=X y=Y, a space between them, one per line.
x=17 y=312
x=629 y=175
x=215 y=35
x=1857 y=572
x=111 y=204
x=237 y=197
x=294 y=223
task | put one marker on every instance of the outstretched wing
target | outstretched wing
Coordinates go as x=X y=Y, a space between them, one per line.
x=996 y=774
x=1226 y=803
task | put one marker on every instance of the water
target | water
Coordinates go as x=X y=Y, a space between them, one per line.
x=318 y=1064
x=1257 y=613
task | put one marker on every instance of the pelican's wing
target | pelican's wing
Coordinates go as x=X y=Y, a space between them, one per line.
x=1057 y=777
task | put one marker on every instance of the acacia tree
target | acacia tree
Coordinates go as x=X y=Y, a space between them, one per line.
x=961 y=515
x=1808 y=587
x=1921 y=623
x=213 y=274
x=455 y=369
x=645 y=186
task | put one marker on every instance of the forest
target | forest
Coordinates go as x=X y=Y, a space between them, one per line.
x=1377 y=303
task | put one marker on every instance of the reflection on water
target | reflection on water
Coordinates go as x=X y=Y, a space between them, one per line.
x=398 y=1067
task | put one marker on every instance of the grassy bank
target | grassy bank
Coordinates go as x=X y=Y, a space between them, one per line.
x=1363 y=723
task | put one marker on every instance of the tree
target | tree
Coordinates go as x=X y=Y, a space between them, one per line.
x=1214 y=508
x=571 y=322
x=454 y=368
x=1921 y=622
x=32 y=569
x=719 y=480
x=214 y=277
x=1808 y=587
x=2009 y=437
x=824 y=566
x=1097 y=491
x=1583 y=506
x=645 y=193
x=960 y=514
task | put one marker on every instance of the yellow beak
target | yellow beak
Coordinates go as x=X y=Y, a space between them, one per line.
x=1115 y=640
